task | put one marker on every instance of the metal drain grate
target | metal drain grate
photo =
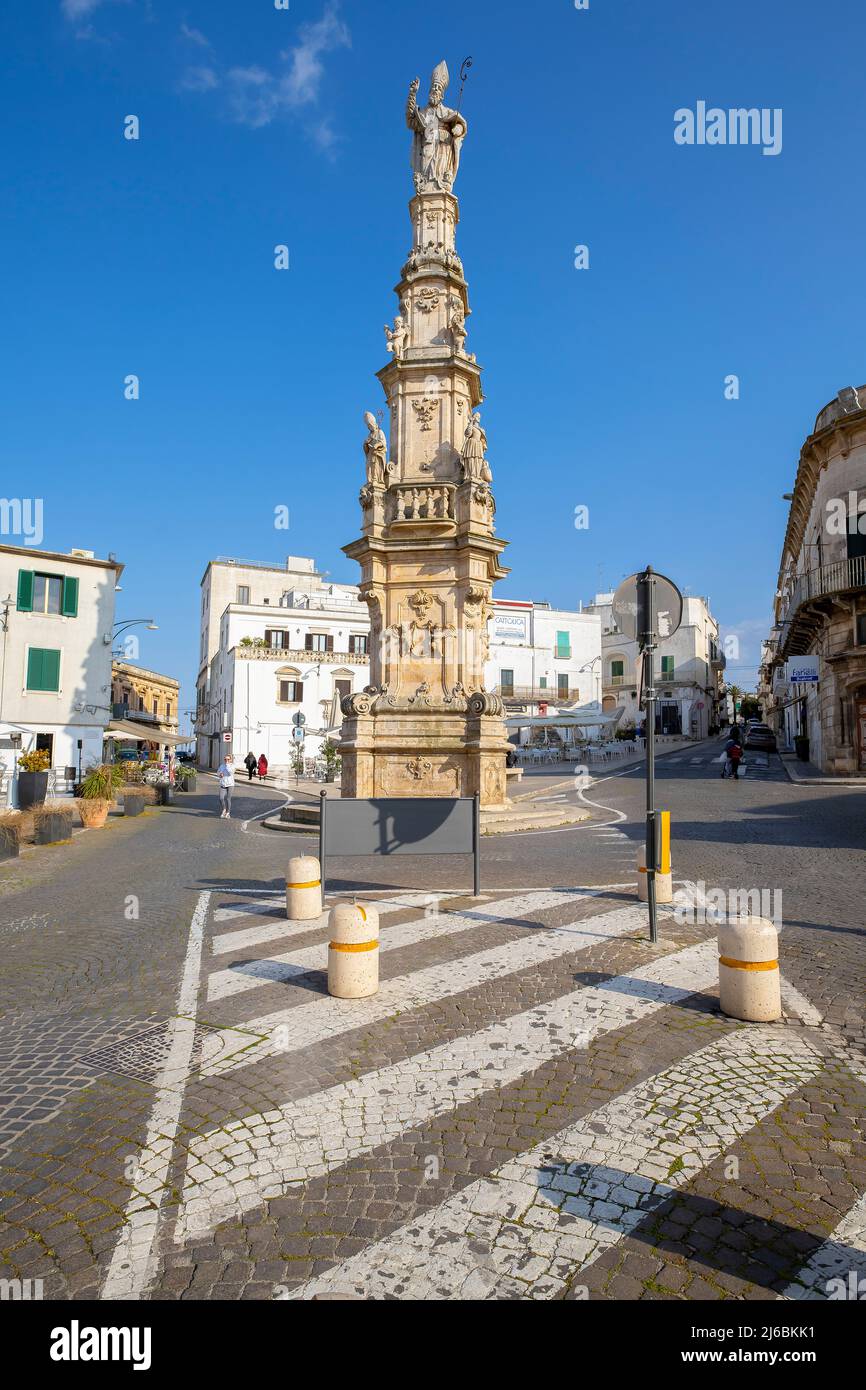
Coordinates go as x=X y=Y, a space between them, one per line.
x=144 y=1055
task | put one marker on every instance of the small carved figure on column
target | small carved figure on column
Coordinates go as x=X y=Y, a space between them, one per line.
x=475 y=465
x=458 y=329
x=398 y=337
x=375 y=451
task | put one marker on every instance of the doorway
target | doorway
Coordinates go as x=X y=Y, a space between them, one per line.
x=860 y=716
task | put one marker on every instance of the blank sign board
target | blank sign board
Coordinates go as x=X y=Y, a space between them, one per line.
x=399 y=825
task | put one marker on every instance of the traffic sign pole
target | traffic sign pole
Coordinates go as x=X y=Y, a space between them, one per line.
x=647 y=639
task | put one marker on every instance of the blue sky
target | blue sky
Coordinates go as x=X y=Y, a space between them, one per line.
x=604 y=387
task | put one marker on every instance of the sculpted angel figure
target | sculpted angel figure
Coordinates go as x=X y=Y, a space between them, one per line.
x=375 y=451
x=438 y=133
x=475 y=465
x=458 y=329
x=398 y=336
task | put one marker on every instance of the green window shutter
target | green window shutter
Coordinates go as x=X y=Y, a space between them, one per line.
x=43 y=669
x=34 y=668
x=69 y=603
x=50 y=669
x=616 y=668
x=25 y=591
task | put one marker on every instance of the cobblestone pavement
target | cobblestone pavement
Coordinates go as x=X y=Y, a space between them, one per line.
x=538 y=1103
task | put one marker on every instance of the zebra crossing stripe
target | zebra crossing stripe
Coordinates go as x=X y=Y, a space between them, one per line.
x=528 y=1229
x=222 y=984
x=304 y=1026
x=275 y=930
x=836 y=1269
x=249 y=1160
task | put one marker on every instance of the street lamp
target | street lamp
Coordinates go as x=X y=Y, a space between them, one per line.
x=110 y=638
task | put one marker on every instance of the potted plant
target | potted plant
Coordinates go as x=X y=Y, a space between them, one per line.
x=10 y=834
x=185 y=780
x=52 y=822
x=97 y=793
x=33 y=778
x=332 y=759
x=165 y=793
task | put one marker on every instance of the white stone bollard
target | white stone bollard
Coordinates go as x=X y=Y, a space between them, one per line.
x=749 y=984
x=304 y=889
x=353 y=951
x=664 y=882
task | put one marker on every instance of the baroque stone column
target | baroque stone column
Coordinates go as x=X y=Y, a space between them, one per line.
x=429 y=556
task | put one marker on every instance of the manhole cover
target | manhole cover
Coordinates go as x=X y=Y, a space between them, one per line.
x=144 y=1056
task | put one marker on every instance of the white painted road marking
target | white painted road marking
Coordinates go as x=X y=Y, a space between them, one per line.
x=236 y=1167
x=529 y=1228
x=131 y=1268
x=304 y=1026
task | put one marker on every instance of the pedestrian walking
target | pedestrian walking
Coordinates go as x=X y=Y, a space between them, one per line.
x=226 y=775
x=263 y=767
x=250 y=764
x=732 y=755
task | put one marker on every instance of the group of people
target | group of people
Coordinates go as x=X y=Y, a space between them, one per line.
x=226 y=778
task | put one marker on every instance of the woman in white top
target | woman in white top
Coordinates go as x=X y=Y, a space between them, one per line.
x=226 y=775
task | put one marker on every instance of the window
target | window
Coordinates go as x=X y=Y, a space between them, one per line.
x=243 y=594
x=563 y=645
x=342 y=689
x=506 y=682
x=276 y=637
x=318 y=642
x=156 y=708
x=290 y=692
x=47 y=593
x=359 y=642
x=562 y=686
x=667 y=668
x=542 y=681
x=860 y=637
x=43 y=669
x=141 y=704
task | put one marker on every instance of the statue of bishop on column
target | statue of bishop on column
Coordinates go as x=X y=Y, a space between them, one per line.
x=438 y=135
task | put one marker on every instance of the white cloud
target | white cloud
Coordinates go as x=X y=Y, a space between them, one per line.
x=258 y=95
x=78 y=9
x=195 y=36
x=199 y=80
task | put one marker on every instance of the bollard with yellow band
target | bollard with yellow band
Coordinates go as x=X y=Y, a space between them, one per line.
x=353 y=951
x=664 y=882
x=303 y=889
x=749 y=984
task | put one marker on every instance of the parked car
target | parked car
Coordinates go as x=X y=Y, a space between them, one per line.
x=761 y=736
x=131 y=755
x=188 y=758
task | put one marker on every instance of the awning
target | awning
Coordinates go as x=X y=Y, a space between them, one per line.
x=125 y=729
x=568 y=719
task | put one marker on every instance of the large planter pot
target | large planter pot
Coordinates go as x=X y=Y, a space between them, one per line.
x=32 y=789
x=9 y=843
x=801 y=748
x=50 y=830
x=166 y=795
x=189 y=784
x=133 y=804
x=93 y=813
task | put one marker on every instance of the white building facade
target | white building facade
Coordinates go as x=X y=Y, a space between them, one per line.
x=55 y=664
x=688 y=669
x=280 y=641
x=276 y=642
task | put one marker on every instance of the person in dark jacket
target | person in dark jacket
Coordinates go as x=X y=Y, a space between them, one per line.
x=250 y=765
x=263 y=767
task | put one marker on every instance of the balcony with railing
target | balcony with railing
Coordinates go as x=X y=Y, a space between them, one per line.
x=299 y=655
x=814 y=590
x=537 y=694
